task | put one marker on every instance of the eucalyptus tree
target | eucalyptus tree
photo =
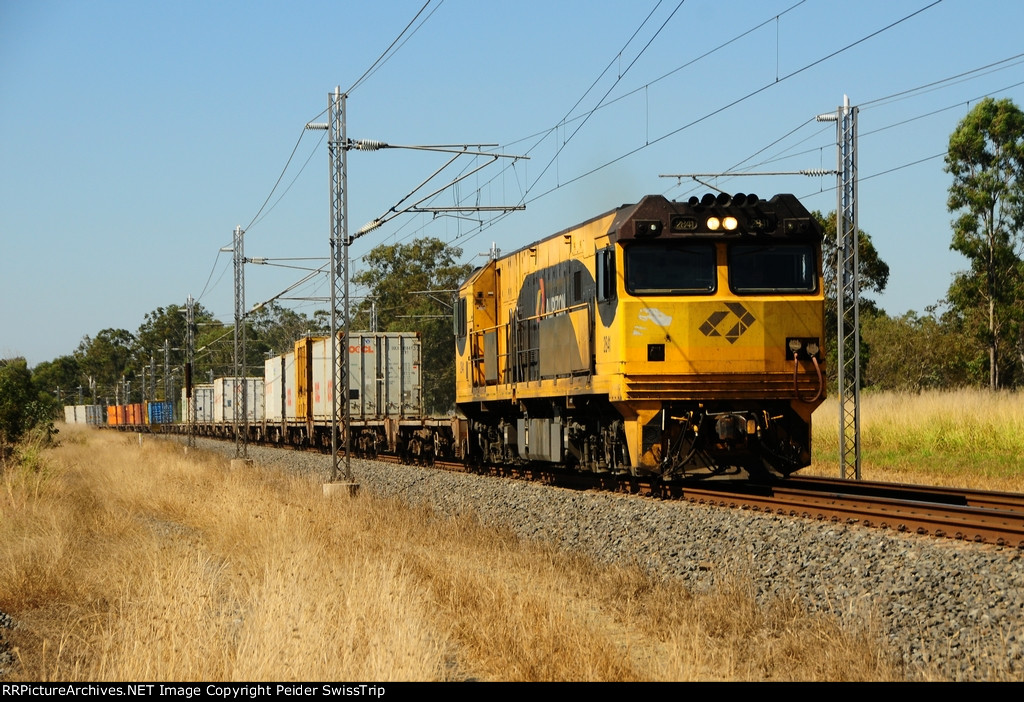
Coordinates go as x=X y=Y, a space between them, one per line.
x=412 y=287
x=986 y=160
x=873 y=275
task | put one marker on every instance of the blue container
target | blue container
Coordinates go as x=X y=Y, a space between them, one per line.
x=160 y=412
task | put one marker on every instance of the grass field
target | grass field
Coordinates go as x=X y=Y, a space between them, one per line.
x=128 y=562
x=967 y=438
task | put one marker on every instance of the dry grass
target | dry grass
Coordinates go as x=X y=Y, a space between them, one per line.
x=967 y=438
x=135 y=563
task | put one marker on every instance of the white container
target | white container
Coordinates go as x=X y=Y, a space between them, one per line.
x=384 y=376
x=279 y=387
x=226 y=407
x=85 y=414
x=202 y=396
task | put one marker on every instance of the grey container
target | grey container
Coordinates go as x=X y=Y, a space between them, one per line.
x=85 y=414
x=384 y=373
x=202 y=397
x=226 y=408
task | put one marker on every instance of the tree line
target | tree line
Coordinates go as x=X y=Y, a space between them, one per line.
x=121 y=366
x=412 y=287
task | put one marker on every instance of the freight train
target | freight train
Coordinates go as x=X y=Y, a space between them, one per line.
x=292 y=403
x=662 y=338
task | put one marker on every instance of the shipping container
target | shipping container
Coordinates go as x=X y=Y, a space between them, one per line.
x=202 y=396
x=85 y=414
x=384 y=376
x=226 y=405
x=160 y=412
x=304 y=364
x=279 y=395
x=95 y=414
x=134 y=414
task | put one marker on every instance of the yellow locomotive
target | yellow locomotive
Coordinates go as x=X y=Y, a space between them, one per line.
x=672 y=338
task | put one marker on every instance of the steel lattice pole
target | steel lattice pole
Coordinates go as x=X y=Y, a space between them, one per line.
x=190 y=353
x=848 y=293
x=241 y=423
x=338 y=147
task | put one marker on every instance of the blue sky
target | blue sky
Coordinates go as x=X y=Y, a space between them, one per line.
x=134 y=136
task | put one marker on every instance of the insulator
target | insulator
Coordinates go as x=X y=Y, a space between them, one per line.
x=369 y=227
x=369 y=145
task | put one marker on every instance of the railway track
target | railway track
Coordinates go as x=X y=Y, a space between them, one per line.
x=966 y=515
x=943 y=512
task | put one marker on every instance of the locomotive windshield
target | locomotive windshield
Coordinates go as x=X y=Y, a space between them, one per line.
x=785 y=268
x=670 y=268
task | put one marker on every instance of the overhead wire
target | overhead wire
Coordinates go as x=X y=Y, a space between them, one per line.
x=881 y=101
x=254 y=219
x=612 y=63
x=590 y=112
x=604 y=102
x=383 y=58
x=877 y=102
x=883 y=128
x=779 y=79
x=387 y=54
x=544 y=134
x=305 y=163
x=920 y=88
x=960 y=77
x=278 y=181
x=743 y=98
x=566 y=119
x=706 y=54
x=210 y=277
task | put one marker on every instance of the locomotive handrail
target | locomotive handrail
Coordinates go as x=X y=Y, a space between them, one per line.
x=475 y=353
x=513 y=344
x=560 y=310
x=522 y=355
